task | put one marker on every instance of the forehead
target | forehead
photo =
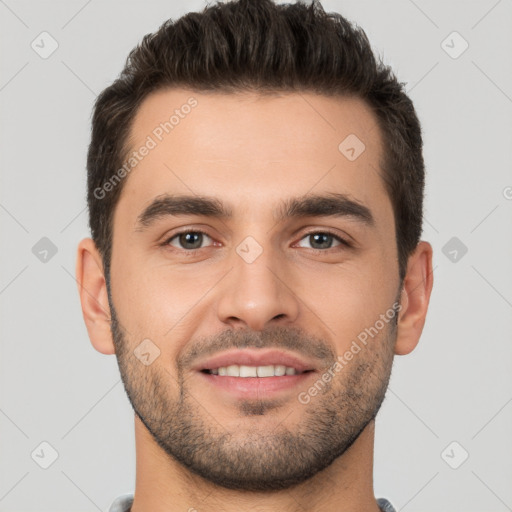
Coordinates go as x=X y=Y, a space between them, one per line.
x=251 y=150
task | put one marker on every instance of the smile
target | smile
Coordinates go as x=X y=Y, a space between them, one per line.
x=271 y=370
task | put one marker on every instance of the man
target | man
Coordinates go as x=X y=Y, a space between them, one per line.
x=255 y=191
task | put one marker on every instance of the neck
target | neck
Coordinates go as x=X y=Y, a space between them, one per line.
x=163 y=485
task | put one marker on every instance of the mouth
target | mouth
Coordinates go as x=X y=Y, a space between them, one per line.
x=248 y=373
x=264 y=372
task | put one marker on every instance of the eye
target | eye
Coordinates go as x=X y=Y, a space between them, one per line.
x=193 y=240
x=322 y=240
x=187 y=240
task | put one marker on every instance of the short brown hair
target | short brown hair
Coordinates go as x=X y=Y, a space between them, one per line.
x=256 y=45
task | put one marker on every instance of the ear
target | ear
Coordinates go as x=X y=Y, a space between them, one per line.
x=92 y=289
x=416 y=291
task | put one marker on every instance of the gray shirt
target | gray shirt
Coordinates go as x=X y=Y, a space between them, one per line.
x=124 y=502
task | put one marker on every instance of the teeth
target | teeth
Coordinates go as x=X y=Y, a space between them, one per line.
x=279 y=370
x=248 y=371
x=265 y=371
x=233 y=371
x=236 y=370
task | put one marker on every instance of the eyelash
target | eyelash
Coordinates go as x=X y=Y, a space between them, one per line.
x=343 y=242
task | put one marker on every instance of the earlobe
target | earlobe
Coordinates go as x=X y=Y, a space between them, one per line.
x=417 y=288
x=92 y=290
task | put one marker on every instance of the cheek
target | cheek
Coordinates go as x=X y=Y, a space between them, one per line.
x=139 y=298
x=350 y=298
x=158 y=301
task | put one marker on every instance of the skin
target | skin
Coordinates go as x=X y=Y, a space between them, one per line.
x=251 y=152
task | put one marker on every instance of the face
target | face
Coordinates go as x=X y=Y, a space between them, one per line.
x=283 y=259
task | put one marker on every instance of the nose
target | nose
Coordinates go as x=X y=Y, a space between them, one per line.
x=256 y=293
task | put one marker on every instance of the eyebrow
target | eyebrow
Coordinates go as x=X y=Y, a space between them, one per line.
x=325 y=205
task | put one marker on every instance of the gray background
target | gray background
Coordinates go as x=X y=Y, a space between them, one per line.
x=456 y=385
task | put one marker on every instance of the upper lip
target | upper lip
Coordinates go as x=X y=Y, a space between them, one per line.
x=256 y=357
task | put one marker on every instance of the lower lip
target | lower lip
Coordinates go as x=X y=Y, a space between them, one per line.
x=256 y=387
